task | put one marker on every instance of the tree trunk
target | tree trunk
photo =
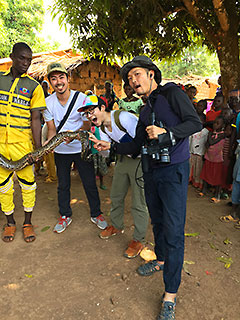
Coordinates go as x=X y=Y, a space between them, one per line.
x=228 y=55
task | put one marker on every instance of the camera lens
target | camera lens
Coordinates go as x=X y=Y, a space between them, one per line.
x=165 y=158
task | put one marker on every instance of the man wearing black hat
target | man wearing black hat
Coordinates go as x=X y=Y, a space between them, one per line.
x=165 y=124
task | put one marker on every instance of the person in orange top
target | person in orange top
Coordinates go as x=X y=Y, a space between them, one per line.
x=218 y=105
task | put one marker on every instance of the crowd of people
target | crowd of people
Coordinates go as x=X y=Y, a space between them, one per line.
x=214 y=153
x=164 y=126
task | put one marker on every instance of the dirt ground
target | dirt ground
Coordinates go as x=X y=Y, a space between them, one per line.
x=76 y=275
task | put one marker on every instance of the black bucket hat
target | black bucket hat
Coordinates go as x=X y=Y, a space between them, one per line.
x=142 y=62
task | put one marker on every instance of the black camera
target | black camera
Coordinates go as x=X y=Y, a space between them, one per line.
x=157 y=150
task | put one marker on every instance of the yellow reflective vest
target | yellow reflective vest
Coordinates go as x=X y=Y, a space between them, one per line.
x=18 y=97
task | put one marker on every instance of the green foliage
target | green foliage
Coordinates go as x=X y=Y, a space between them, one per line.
x=21 y=20
x=3 y=10
x=3 y=5
x=196 y=61
x=45 y=44
x=159 y=28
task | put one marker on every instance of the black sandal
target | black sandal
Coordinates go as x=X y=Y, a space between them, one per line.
x=150 y=268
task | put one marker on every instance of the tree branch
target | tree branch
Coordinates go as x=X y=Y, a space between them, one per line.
x=232 y=14
x=221 y=14
x=167 y=13
x=201 y=20
x=160 y=7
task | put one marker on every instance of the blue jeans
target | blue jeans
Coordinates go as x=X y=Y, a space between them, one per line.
x=86 y=171
x=166 y=197
x=236 y=192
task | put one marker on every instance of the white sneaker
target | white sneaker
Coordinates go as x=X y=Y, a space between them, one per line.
x=100 y=222
x=62 y=224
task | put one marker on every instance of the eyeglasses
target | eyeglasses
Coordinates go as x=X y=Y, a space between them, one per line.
x=89 y=112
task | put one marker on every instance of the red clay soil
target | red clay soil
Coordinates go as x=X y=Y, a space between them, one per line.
x=76 y=275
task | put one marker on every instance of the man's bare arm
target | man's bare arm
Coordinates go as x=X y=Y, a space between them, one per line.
x=36 y=128
x=51 y=129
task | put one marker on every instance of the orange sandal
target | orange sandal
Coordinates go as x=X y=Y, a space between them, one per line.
x=200 y=194
x=215 y=200
x=228 y=218
x=28 y=233
x=9 y=232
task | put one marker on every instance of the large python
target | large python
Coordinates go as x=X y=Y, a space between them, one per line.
x=52 y=144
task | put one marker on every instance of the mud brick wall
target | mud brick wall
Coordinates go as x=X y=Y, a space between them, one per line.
x=92 y=76
x=205 y=91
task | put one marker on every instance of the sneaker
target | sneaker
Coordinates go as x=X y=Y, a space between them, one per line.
x=167 y=311
x=133 y=250
x=150 y=268
x=109 y=232
x=62 y=224
x=100 y=222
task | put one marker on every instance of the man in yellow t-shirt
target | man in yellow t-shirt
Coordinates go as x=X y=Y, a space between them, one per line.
x=21 y=99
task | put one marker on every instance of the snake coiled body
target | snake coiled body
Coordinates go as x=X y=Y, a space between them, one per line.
x=52 y=144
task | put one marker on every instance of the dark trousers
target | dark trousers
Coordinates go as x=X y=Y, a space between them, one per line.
x=166 y=197
x=86 y=171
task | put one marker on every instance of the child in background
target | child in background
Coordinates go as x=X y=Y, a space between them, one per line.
x=226 y=187
x=231 y=136
x=234 y=104
x=217 y=106
x=227 y=114
x=109 y=96
x=236 y=188
x=213 y=164
x=191 y=91
x=201 y=106
x=197 y=148
x=99 y=161
x=234 y=215
x=130 y=103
